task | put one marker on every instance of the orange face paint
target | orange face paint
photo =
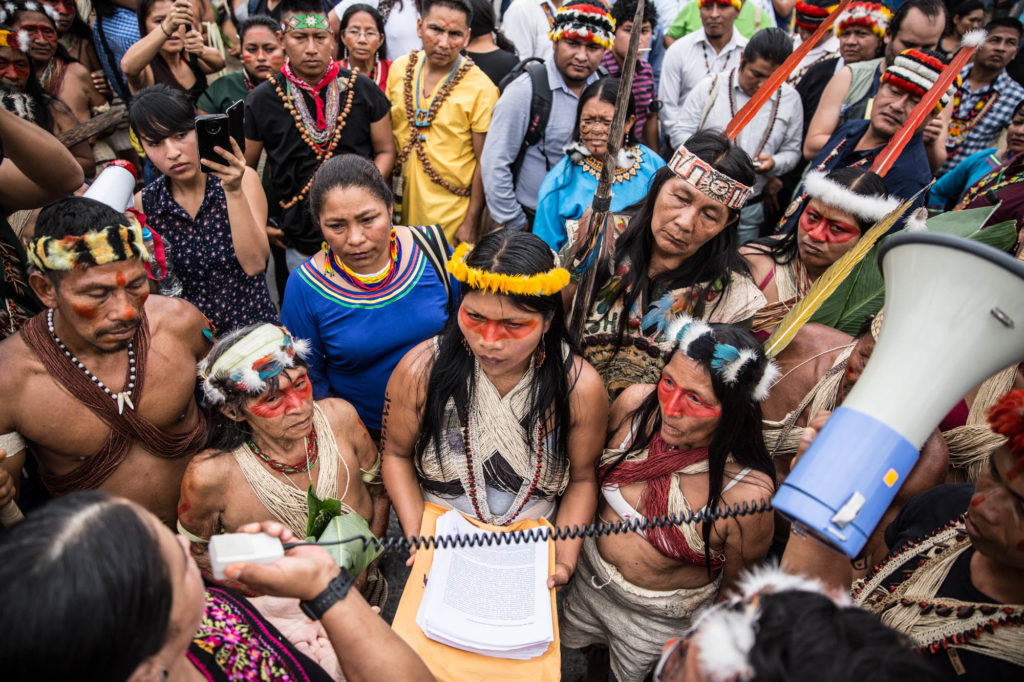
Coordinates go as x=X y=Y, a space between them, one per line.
x=84 y=311
x=276 y=404
x=495 y=330
x=143 y=297
x=822 y=229
x=120 y=279
x=977 y=500
x=676 y=401
x=129 y=313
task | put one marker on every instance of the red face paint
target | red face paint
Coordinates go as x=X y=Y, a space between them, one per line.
x=679 y=402
x=276 y=404
x=14 y=71
x=821 y=229
x=84 y=311
x=143 y=297
x=120 y=279
x=42 y=31
x=977 y=500
x=495 y=330
x=128 y=313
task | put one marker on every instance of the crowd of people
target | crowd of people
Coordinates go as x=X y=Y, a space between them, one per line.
x=385 y=288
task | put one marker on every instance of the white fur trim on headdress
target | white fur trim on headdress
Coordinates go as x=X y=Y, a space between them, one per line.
x=771 y=579
x=731 y=370
x=247 y=361
x=724 y=641
x=687 y=331
x=974 y=38
x=863 y=207
x=767 y=380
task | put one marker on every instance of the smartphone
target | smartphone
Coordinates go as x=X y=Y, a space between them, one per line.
x=216 y=130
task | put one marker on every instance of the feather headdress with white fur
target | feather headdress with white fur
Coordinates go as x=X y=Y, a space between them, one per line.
x=244 y=361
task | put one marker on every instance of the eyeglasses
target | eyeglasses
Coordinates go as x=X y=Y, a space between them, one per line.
x=588 y=124
x=355 y=33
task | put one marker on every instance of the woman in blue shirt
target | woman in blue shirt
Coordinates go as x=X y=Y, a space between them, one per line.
x=569 y=187
x=370 y=295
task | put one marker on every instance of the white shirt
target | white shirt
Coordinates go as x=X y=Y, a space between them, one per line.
x=687 y=61
x=825 y=50
x=400 y=27
x=527 y=26
x=668 y=10
x=784 y=140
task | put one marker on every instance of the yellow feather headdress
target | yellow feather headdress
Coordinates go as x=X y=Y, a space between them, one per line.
x=96 y=247
x=541 y=284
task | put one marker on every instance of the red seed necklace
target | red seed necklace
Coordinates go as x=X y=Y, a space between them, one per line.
x=312 y=455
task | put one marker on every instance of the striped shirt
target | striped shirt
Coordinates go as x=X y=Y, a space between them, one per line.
x=983 y=133
x=643 y=87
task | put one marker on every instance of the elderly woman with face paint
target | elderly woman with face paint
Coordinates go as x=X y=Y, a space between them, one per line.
x=678 y=254
x=840 y=207
x=271 y=443
x=498 y=417
x=693 y=442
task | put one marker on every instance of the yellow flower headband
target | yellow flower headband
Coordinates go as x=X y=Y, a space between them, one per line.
x=541 y=284
x=108 y=244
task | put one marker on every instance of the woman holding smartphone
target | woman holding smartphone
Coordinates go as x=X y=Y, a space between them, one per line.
x=214 y=220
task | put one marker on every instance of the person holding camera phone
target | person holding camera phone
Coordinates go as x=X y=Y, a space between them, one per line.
x=215 y=219
x=171 y=50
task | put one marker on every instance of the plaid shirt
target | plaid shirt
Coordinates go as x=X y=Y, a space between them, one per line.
x=1008 y=94
x=643 y=87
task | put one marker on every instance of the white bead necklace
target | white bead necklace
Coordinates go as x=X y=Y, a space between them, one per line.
x=124 y=397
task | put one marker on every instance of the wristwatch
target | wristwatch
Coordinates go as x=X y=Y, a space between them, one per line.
x=335 y=591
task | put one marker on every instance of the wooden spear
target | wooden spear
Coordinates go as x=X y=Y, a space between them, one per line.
x=591 y=253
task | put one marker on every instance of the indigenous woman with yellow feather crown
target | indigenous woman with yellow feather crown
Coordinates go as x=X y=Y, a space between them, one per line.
x=498 y=417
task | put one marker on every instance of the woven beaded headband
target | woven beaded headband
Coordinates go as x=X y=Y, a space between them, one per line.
x=710 y=182
x=869 y=14
x=108 y=244
x=696 y=340
x=583 y=22
x=729 y=3
x=541 y=284
x=297 y=22
x=249 y=361
x=20 y=41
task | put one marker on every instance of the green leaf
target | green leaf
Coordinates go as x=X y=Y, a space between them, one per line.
x=1002 y=236
x=960 y=223
x=320 y=512
x=351 y=555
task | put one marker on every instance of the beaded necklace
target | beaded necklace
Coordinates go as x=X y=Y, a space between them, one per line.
x=993 y=182
x=471 y=475
x=420 y=121
x=124 y=397
x=961 y=125
x=732 y=112
x=312 y=455
x=592 y=166
x=335 y=125
x=373 y=74
x=373 y=282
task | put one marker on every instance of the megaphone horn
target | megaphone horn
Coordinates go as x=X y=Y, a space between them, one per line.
x=954 y=315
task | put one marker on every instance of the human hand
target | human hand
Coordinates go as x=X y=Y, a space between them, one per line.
x=194 y=43
x=932 y=130
x=412 y=556
x=561 y=575
x=99 y=81
x=466 y=232
x=303 y=573
x=230 y=174
x=764 y=163
x=810 y=432
x=276 y=237
x=181 y=14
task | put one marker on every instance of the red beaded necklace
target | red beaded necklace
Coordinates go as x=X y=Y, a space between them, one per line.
x=312 y=455
x=472 y=478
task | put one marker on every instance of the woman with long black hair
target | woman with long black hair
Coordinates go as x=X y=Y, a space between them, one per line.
x=497 y=417
x=488 y=47
x=568 y=188
x=693 y=442
x=677 y=252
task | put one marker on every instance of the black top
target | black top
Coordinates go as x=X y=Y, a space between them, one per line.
x=291 y=162
x=496 y=64
x=923 y=516
x=812 y=85
x=162 y=74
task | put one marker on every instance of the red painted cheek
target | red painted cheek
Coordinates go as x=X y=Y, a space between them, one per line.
x=267 y=411
x=977 y=500
x=143 y=297
x=492 y=330
x=84 y=311
x=677 y=402
x=129 y=313
x=291 y=398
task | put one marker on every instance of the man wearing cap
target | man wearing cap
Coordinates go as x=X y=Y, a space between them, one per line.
x=809 y=16
x=984 y=103
x=715 y=48
x=857 y=143
x=511 y=173
x=111 y=370
x=917 y=24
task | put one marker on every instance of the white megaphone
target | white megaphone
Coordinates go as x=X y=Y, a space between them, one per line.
x=954 y=315
x=114 y=186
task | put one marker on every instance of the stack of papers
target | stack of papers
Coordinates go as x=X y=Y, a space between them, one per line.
x=489 y=600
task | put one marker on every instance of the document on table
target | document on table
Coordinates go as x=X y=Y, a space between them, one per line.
x=488 y=599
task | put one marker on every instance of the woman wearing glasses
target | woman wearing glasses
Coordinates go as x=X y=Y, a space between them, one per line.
x=569 y=187
x=362 y=43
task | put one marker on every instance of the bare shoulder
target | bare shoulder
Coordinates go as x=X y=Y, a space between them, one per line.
x=627 y=403
x=340 y=413
x=585 y=381
x=812 y=340
x=180 y=319
x=208 y=472
x=16 y=358
x=754 y=487
x=416 y=364
x=758 y=260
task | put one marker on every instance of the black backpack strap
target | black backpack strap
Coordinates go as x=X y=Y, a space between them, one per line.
x=431 y=239
x=540 y=111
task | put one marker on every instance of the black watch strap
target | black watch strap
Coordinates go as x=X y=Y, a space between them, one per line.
x=332 y=594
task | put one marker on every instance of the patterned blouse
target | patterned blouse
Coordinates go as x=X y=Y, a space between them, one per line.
x=234 y=642
x=203 y=257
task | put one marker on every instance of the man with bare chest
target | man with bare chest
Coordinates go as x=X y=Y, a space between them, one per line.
x=101 y=384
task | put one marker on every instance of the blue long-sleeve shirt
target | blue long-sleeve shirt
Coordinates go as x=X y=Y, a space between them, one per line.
x=506 y=195
x=952 y=185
